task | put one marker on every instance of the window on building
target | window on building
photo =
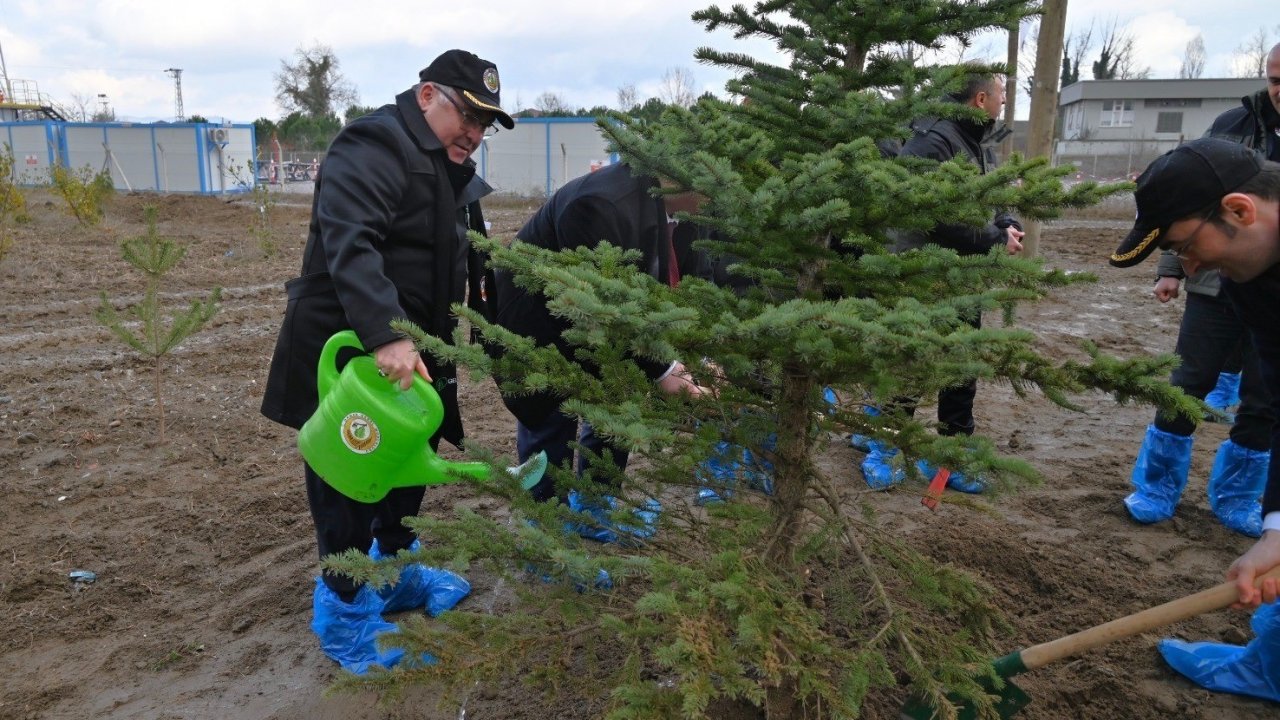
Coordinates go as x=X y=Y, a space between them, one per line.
x=1116 y=113
x=1169 y=122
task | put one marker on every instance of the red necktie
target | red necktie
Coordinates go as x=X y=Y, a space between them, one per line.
x=673 y=268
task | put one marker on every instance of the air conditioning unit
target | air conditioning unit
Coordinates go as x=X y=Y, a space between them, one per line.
x=219 y=135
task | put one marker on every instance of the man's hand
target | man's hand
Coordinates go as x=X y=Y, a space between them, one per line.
x=1013 y=243
x=1166 y=289
x=1264 y=555
x=679 y=380
x=398 y=361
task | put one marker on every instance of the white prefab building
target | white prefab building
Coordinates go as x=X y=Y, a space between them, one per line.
x=1113 y=128
x=159 y=157
x=540 y=155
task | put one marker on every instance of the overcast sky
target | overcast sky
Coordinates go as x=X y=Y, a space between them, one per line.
x=229 y=50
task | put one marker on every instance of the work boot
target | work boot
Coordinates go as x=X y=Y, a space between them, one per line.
x=419 y=586
x=878 y=468
x=602 y=529
x=1159 y=475
x=348 y=632
x=1224 y=395
x=1253 y=669
x=956 y=480
x=1238 y=477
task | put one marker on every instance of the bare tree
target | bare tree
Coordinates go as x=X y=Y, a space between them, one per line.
x=1074 y=49
x=550 y=103
x=1251 y=56
x=1127 y=67
x=627 y=97
x=677 y=87
x=79 y=106
x=1117 y=59
x=1193 y=59
x=312 y=84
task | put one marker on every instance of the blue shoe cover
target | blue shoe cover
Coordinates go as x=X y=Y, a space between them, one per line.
x=602 y=582
x=348 y=631
x=603 y=530
x=955 y=480
x=1226 y=393
x=1238 y=478
x=1250 y=670
x=1159 y=475
x=859 y=442
x=419 y=586
x=877 y=469
x=717 y=475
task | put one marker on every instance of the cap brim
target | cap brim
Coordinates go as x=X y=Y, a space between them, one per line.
x=1140 y=243
x=480 y=104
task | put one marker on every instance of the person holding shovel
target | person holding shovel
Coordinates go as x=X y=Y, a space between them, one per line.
x=394 y=199
x=1215 y=204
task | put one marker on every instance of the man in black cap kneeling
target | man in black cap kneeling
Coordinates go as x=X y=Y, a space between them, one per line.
x=1216 y=206
x=393 y=201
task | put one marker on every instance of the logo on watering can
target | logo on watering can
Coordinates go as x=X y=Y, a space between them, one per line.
x=359 y=433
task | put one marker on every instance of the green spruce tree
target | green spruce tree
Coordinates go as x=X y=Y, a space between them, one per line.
x=796 y=603
x=148 y=327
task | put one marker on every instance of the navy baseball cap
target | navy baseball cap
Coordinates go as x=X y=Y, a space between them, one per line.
x=475 y=78
x=1183 y=182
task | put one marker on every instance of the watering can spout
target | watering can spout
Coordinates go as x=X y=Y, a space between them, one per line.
x=368 y=437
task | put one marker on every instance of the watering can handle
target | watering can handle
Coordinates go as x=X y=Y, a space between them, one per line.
x=1215 y=598
x=327 y=370
x=327 y=375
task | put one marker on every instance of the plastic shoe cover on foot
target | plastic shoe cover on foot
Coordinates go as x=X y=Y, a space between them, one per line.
x=877 y=469
x=955 y=480
x=717 y=475
x=1250 y=670
x=1159 y=475
x=419 y=586
x=603 y=530
x=1238 y=478
x=348 y=631
x=1226 y=393
x=859 y=442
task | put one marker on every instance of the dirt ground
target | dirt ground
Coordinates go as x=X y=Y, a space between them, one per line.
x=203 y=548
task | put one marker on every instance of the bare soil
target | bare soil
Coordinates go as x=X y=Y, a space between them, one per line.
x=203 y=548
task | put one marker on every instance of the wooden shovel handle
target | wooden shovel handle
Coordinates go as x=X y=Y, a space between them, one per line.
x=1215 y=598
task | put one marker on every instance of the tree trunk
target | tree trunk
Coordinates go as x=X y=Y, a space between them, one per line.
x=1044 y=97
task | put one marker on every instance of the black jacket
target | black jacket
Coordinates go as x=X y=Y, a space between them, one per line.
x=942 y=139
x=610 y=204
x=1253 y=125
x=387 y=240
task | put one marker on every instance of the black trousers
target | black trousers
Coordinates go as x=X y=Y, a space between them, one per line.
x=342 y=523
x=1210 y=334
x=955 y=404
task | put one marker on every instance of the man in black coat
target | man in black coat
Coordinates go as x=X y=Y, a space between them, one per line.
x=942 y=139
x=615 y=205
x=393 y=201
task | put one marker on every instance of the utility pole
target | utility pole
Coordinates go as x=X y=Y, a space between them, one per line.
x=1044 y=97
x=178 y=114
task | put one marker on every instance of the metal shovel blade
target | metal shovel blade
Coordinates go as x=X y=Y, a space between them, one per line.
x=1011 y=697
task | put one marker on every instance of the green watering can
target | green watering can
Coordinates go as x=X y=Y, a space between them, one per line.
x=368 y=437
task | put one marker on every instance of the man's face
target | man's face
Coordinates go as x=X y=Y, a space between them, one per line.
x=992 y=99
x=460 y=134
x=1237 y=251
x=1273 y=77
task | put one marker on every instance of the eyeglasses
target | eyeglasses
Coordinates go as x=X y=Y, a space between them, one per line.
x=1180 y=249
x=469 y=119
